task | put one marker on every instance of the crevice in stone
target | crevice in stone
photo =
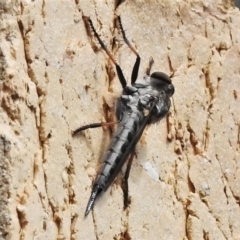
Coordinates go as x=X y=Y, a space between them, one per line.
x=204 y=200
x=46 y=190
x=58 y=222
x=73 y=229
x=31 y=76
x=212 y=94
x=193 y=140
x=95 y=225
x=71 y=173
x=22 y=221
x=205 y=235
x=123 y=235
x=41 y=94
x=186 y=221
x=43 y=11
x=118 y=3
x=237 y=199
x=110 y=76
x=191 y=185
x=225 y=192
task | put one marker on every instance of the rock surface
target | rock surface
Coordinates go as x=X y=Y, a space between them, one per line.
x=185 y=178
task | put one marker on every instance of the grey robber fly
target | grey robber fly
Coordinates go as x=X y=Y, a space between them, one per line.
x=143 y=102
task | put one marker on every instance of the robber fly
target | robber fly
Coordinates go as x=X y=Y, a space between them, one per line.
x=144 y=102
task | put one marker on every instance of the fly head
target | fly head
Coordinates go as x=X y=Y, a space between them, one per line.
x=162 y=82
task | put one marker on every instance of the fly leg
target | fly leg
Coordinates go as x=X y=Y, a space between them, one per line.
x=126 y=199
x=137 y=63
x=148 y=69
x=118 y=69
x=94 y=125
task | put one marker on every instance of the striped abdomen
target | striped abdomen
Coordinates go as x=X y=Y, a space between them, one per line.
x=113 y=160
x=121 y=146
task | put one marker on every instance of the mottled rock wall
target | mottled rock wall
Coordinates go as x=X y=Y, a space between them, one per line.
x=185 y=179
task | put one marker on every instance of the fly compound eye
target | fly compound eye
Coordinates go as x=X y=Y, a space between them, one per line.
x=161 y=81
x=161 y=77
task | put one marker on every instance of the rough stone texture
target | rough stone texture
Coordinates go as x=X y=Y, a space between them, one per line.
x=185 y=180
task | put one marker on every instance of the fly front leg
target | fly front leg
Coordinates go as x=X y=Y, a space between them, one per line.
x=137 y=63
x=94 y=125
x=118 y=69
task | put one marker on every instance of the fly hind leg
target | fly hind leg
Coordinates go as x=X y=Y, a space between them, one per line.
x=126 y=199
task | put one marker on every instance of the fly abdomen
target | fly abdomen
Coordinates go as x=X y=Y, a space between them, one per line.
x=119 y=145
x=113 y=158
x=124 y=134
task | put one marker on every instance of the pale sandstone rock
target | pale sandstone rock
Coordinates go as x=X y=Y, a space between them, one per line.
x=185 y=180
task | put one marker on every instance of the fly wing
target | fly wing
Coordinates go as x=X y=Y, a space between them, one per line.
x=130 y=147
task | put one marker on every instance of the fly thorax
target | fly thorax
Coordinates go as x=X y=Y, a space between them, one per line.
x=146 y=97
x=130 y=101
